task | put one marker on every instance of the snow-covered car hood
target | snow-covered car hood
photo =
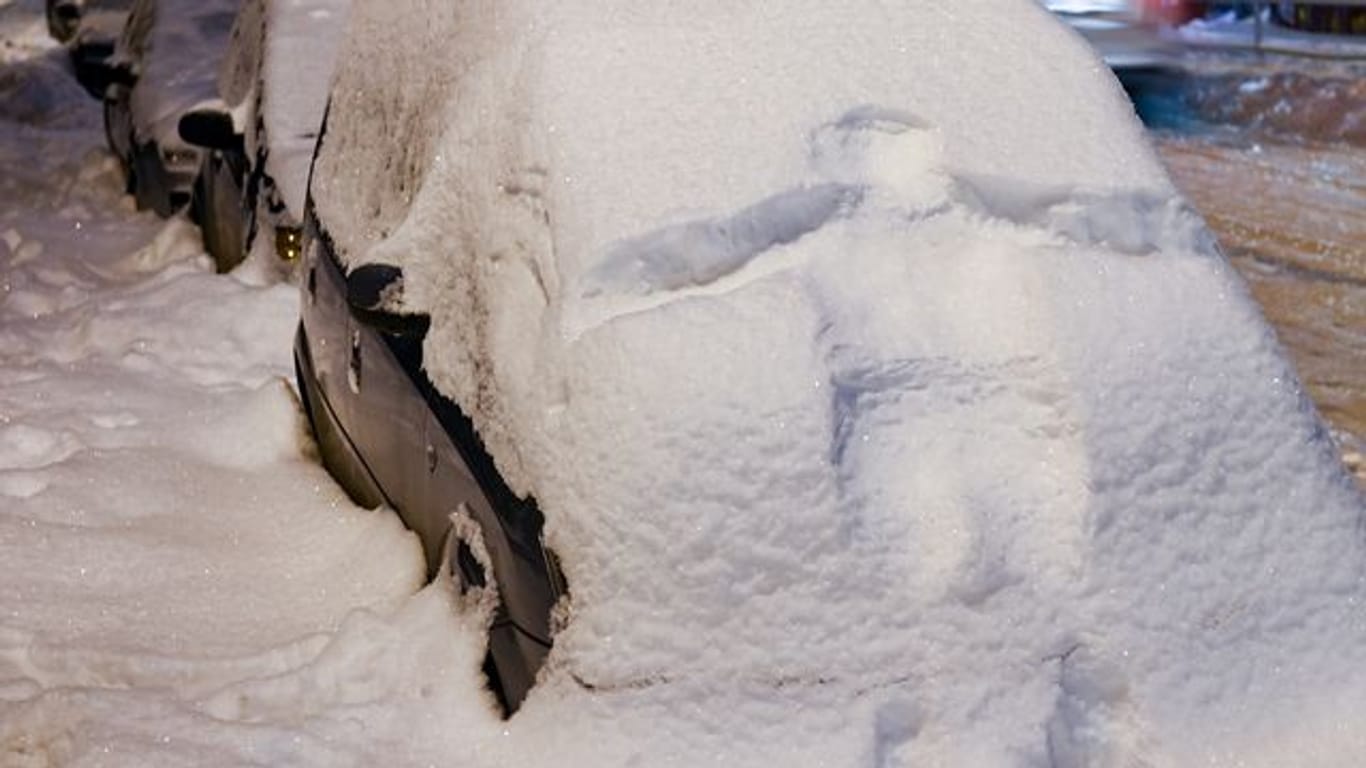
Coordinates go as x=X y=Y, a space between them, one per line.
x=885 y=402
x=178 y=70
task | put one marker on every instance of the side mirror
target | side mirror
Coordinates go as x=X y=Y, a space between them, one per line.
x=88 y=58
x=104 y=73
x=371 y=289
x=210 y=128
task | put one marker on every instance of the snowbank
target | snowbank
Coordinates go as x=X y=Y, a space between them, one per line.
x=885 y=402
x=179 y=579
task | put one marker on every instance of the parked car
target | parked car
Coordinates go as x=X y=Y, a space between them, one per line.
x=851 y=356
x=258 y=139
x=89 y=29
x=63 y=17
x=390 y=438
x=164 y=64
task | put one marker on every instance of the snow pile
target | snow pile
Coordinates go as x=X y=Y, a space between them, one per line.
x=275 y=79
x=885 y=403
x=39 y=93
x=176 y=61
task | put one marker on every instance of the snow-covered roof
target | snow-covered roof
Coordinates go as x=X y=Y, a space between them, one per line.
x=178 y=62
x=282 y=54
x=884 y=400
x=102 y=21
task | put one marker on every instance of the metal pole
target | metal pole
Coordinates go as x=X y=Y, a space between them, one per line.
x=1257 y=22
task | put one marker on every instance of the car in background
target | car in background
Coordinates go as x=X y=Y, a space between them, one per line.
x=258 y=137
x=63 y=17
x=88 y=29
x=164 y=64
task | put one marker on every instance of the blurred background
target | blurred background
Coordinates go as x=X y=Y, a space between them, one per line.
x=1259 y=111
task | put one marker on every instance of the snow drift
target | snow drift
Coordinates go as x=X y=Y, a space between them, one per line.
x=885 y=402
x=171 y=554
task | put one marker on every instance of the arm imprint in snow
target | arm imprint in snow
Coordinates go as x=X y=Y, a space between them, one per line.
x=868 y=150
x=701 y=252
x=888 y=160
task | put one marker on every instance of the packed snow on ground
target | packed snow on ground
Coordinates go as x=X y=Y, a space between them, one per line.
x=180 y=582
x=904 y=420
x=885 y=402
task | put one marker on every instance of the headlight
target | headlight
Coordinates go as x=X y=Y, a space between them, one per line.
x=289 y=243
x=179 y=158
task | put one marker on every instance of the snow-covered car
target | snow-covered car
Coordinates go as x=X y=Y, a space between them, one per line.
x=89 y=29
x=63 y=17
x=259 y=138
x=164 y=64
x=880 y=398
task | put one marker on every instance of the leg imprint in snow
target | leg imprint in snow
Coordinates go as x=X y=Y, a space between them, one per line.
x=898 y=723
x=1094 y=724
x=974 y=471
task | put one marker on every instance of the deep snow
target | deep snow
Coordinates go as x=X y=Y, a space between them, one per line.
x=1130 y=544
x=180 y=582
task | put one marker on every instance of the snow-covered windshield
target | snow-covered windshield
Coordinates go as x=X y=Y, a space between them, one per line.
x=848 y=349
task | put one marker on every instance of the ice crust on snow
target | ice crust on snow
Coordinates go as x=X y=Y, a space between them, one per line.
x=863 y=361
x=275 y=80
